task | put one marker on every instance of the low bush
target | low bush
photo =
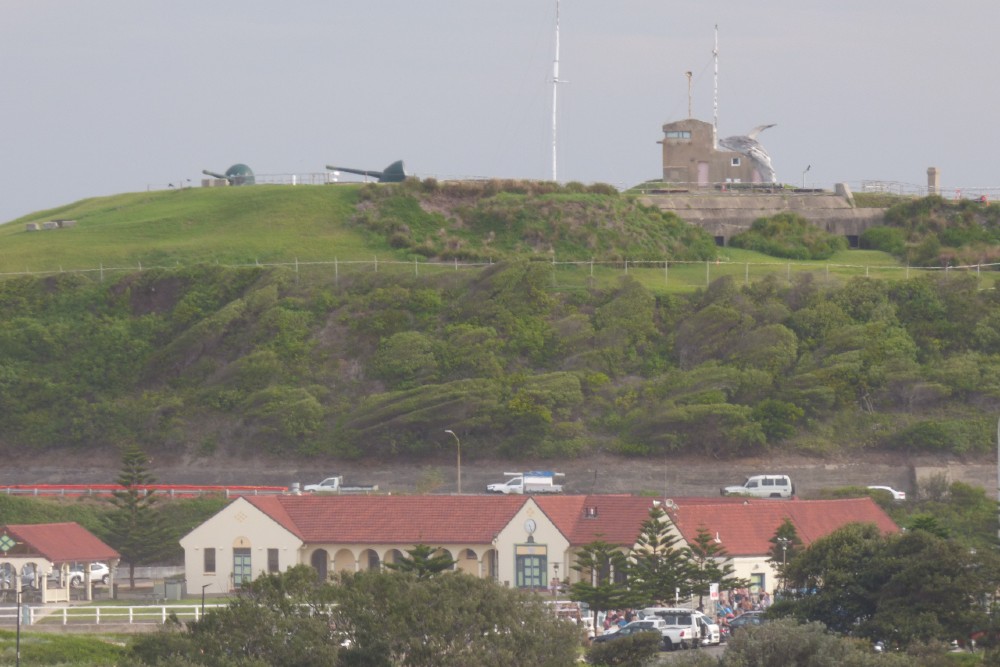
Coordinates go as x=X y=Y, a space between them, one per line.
x=632 y=651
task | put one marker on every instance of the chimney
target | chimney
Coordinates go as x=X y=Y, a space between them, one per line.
x=933 y=181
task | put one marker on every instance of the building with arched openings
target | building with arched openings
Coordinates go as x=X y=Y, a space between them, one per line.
x=520 y=541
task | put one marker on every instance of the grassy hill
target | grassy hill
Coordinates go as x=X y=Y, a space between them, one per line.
x=362 y=321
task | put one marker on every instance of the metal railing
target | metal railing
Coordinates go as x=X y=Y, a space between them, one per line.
x=171 y=491
x=157 y=614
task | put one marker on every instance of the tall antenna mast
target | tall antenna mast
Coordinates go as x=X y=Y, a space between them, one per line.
x=555 y=98
x=689 y=75
x=715 y=98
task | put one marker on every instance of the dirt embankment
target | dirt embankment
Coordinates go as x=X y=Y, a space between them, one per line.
x=676 y=477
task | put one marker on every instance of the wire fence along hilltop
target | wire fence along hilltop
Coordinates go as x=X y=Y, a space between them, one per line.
x=667 y=273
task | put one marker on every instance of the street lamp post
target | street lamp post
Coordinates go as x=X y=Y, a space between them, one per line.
x=783 y=541
x=203 y=587
x=458 y=460
x=808 y=167
x=17 y=649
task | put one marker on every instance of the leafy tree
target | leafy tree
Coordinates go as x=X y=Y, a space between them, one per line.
x=658 y=569
x=279 y=619
x=901 y=588
x=135 y=528
x=710 y=563
x=603 y=572
x=452 y=620
x=423 y=562
x=777 y=418
x=370 y=618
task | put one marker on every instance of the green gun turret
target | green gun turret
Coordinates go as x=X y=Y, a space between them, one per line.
x=238 y=174
x=394 y=173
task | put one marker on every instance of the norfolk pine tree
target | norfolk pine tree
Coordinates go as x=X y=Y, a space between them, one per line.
x=598 y=564
x=135 y=529
x=424 y=561
x=785 y=545
x=658 y=568
x=710 y=563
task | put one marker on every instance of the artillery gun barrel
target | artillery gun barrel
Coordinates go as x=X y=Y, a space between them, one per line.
x=214 y=175
x=360 y=172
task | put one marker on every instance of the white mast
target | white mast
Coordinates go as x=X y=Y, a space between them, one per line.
x=555 y=98
x=715 y=99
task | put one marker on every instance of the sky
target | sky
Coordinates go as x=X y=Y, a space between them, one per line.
x=110 y=96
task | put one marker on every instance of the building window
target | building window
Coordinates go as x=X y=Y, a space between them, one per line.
x=272 y=561
x=242 y=571
x=757 y=583
x=530 y=571
x=679 y=134
x=735 y=162
x=209 y=561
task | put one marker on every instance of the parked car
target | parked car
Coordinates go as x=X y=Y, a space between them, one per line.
x=896 y=495
x=645 y=625
x=762 y=486
x=680 y=627
x=746 y=619
x=99 y=572
x=711 y=633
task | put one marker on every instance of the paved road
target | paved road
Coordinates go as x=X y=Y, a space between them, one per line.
x=592 y=474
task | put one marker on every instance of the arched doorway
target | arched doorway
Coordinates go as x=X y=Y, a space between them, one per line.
x=369 y=560
x=344 y=561
x=319 y=561
x=467 y=562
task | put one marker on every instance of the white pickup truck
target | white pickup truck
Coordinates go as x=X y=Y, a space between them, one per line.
x=536 y=481
x=335 y=484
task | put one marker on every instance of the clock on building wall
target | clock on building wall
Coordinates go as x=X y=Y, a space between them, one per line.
x=530 y=526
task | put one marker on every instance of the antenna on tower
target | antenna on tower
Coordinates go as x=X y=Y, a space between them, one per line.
x=715 y=98
x=688 y=75
x=555 y=98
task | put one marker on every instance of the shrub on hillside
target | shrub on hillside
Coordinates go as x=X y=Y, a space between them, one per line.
x=790 y=236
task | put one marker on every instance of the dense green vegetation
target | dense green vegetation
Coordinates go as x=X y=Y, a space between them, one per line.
x=936 y=232
x=378 y=360
x=368 y=618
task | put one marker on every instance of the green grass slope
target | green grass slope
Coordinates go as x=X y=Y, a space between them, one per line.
x=194 y=225
x=540 y=320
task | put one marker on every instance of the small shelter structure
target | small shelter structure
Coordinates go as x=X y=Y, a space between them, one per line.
x=39 y=559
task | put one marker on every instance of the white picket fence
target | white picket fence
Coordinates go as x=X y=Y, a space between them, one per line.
x=154 y=614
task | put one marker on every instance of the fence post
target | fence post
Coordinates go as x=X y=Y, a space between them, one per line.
x=666 y=276
x=416 y=269
x=746 y=274
x=376 y=263
x=336 y=272
x=708 y=272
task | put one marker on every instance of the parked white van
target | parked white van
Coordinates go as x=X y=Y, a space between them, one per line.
x=681 y=627
x=762 y=486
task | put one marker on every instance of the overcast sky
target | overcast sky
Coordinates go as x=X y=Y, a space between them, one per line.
x=110 y=96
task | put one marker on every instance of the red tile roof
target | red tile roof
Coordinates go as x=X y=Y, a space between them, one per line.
x=743 y=525
x=745 y=528
x=391 y=519
x=615 y=519
x=60 y=542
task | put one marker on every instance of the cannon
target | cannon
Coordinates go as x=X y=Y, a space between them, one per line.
x=394 y=173
x=238 y=174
